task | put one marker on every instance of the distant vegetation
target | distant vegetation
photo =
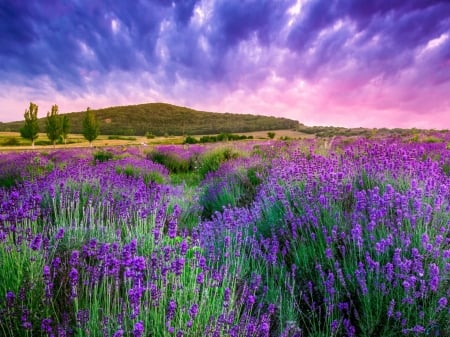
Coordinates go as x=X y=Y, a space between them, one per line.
x=161 y=119
x=223 y=137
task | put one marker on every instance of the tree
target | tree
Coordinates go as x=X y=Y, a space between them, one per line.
x=90 y=126
x=53 y=126
x=65 y=128
x=30 y=129
x=271 y=135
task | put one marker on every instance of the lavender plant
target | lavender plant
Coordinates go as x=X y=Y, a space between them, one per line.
x=308 y=238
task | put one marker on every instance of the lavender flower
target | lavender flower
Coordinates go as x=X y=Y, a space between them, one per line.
x=433 y=277
x=193 y=311
x=10 y=299
x=36 y=242
x=118 y=333
x=200 y=278
x=138 y=329
x=442 y=303
x=171 y=308
x=74 y=258
x=46 y=326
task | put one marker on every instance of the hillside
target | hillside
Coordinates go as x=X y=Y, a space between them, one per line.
x=166 y=119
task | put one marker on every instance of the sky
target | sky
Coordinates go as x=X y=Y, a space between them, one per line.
x=351 y=63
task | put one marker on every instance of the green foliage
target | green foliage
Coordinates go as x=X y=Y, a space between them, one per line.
x=53 y=126
x=432 y=140
x=190 y=140
x=31 y=128
x=42 y=142
x=271 y=135
x=172 y=162
x=102 y=156
x=223 y=137
x=11 y=141
x=91 y=128
x=237 y=190
x=121 y=137
x=65 y=128
x=9 y=179
x=211 y=161
x=446 y=168
x=133 y=172
x=149 y=135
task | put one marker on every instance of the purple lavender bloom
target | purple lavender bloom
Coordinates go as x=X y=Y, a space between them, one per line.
x=46 y=326
x=73 y=279
x=171 y=308
x=60 y=234
x=390 y=311
x=138 y=329
x=10 y=299
x=25 y=323
x=193 y=311
x=389 y=271
x=442 y=303
x=361 y=278
x=74 y=258
x=183 y=247
x=46 y=275
x=56 y=263
x=118 y=333
x=250 y=300
x=178 y=266
x=200 y=278
x=434 y=277
x=36 y=242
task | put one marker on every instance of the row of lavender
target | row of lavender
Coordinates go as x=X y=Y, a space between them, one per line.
x=350 y=242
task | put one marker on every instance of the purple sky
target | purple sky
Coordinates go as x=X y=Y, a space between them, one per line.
x=374 y=63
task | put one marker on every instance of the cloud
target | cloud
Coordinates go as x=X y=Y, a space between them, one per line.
x=371 y=55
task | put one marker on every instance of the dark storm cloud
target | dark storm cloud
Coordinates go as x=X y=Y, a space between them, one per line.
x=399 y=27
x=74 y=43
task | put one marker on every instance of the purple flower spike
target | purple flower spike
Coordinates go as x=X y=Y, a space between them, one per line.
x=442 y=303
x=193 y=311
x=118 y=333
x=138 y=329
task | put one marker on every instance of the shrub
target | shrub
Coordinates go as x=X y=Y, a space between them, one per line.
x=121 y=137
x=102 y=156
x=148 y=177
x=271 y=135
x=171 y=161
x=190 y=140
x=149 y=135
x=11 y=141
x=211 y=161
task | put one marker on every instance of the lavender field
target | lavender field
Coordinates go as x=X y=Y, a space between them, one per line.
x=299 y=238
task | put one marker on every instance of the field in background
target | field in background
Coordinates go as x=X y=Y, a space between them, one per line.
x=77 y=140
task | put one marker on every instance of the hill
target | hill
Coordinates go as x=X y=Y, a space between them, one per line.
x=166 y=119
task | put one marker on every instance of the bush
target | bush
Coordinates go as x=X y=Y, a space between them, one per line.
x=121 y=137
x=271 y=135
x=149 y=135
x=432 y=140
x=11 y=141
x=148 y=177
x=190 y=140
x=172 y=162
x=102 y=156
x=211 y=161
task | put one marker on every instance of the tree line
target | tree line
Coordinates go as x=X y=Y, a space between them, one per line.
x=56 y=126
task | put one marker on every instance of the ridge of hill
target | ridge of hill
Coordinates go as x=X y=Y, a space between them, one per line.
x=166 y=119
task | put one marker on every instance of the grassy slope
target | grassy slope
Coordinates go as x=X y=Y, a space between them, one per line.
x=161 y=119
